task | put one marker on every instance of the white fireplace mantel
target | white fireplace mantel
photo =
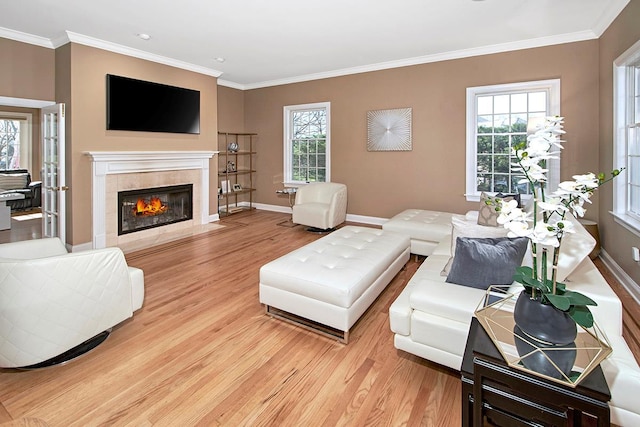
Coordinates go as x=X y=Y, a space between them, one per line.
x=120 y=162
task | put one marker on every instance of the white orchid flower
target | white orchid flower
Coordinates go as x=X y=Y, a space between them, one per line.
x=552 y=205
x=588 y=180
x=545 y=235
x=518 y=229
x=563 y=226
x=509 y=206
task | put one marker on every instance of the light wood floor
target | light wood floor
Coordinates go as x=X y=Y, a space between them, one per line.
x=201 y=351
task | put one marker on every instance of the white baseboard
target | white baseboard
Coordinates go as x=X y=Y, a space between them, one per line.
x=625 y=280
x=366 y=219
x=81 y=247
x=352 y=218
x=272 y=208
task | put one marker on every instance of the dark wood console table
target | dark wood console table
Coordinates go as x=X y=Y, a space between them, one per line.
x=511 y=397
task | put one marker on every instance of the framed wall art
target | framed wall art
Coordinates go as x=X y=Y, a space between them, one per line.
x=389 y=130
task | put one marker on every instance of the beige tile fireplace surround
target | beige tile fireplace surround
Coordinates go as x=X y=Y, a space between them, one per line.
x=131 y=170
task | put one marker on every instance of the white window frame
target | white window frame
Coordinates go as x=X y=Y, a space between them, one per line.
x=552 y=87
x=26 y=125
x=622 y=87
x=288 y=147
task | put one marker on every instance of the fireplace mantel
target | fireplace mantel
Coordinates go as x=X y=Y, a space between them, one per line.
x=123 y=162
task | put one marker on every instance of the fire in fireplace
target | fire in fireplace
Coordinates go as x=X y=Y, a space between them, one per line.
x=154 y=207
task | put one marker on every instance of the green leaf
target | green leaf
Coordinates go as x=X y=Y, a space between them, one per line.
x=582 y=316
x=577 y=298
x=559 y=301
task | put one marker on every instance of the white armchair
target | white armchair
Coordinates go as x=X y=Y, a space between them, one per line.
x=51 y=300
x=321 y=205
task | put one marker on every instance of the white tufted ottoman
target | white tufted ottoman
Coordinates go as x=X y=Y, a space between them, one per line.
x=425 y=228
x=328 y=284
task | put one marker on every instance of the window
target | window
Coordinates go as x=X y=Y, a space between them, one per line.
x=626 y=138
x=307 y=152
x=15 y=141
x=497 y=118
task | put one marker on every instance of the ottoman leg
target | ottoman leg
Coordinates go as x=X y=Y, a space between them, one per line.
x=327 y=331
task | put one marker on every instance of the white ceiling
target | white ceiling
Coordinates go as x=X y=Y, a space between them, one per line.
x=265 y=43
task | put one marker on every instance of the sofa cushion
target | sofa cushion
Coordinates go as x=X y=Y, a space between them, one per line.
x=482 y=262
x=445 y=300
x=465 y=227
x=13 y=181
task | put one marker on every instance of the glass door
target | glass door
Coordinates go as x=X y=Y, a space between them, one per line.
x=53 y=173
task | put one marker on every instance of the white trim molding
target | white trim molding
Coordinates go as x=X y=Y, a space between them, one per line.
x=622 y=85
x=625 y=280
x=120 y=162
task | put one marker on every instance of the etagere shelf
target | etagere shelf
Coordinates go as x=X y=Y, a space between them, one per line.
x=236 y=172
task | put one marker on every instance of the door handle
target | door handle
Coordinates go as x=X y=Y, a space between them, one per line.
x=63 y=188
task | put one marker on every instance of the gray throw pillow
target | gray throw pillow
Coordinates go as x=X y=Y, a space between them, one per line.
x=482 y=262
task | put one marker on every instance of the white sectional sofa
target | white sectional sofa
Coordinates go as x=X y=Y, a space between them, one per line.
x=431 y=317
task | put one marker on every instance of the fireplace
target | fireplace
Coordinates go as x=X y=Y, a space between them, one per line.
x=154 y=207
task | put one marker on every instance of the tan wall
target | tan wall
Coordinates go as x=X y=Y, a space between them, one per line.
x=620 y=36
x=26 y=71
x=432 y=176
x=230 y=110
x=86 y=118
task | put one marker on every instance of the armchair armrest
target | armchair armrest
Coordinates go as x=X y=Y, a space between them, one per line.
x=36 y=193
x=338 y=206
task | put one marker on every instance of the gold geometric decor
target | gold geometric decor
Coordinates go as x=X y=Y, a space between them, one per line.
x=389 y=130
x=495 y=314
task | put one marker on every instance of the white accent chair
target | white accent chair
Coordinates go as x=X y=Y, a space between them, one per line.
x=51 y=300
x=321 y=205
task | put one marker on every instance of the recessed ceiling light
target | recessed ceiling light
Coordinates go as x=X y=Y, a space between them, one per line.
x=219 y=59
x=144 y=36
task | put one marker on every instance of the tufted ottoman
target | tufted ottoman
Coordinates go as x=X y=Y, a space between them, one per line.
x=328 y=284
x=425 y=228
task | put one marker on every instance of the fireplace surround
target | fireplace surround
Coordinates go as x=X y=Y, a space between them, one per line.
x=114 y=171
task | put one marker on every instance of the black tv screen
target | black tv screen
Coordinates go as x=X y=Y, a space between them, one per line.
x=137 y=105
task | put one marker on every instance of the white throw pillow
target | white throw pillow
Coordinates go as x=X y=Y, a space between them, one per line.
x=461 y=226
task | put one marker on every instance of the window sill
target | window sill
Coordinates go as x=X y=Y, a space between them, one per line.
x=294 y=184
x=631 y=224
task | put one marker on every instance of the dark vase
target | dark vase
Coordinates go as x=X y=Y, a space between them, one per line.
x=544 y=322
x=548 y=329
x=551 y=360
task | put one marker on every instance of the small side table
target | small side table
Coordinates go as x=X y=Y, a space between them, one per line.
x=5 y=211
x=291 y=192
x=510 y=396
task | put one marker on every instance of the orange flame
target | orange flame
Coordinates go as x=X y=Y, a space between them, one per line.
x=153 y=207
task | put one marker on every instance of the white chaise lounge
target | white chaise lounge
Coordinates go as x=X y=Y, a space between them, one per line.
x=329 y=283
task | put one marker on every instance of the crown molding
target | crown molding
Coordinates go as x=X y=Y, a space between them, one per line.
x=19 y=36
x=137 y=53
x=445 y=56
x=232 y=85
x=70 y=36
x=607 y=18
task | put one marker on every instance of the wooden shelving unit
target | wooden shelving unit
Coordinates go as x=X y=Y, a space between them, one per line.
x=236 y=172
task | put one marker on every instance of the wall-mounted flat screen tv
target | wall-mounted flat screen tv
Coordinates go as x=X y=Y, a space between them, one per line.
x=137 y=105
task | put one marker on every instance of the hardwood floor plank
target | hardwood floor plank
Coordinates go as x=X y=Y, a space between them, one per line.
x=202 y=352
